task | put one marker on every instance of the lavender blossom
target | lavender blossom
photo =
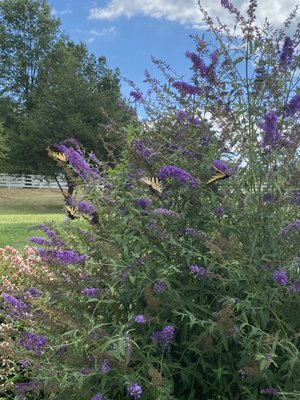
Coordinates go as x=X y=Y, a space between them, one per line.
x=24 y=387
x=287 y=54
x=33 y=341
x=198 y=63
x=221 y=165
x=16 y=305
x=280 y=277
x=295 y=286
x=193 y=232
x=269 y=390
x=135 y=391
x=181 y=116
x=296 y=197
x=33 y=292
x=141 y=202
x=271 y=136
x=163 y=337
x=178 y=174
x=185 y=88
x=293 y=106
x=137 y=96
x=40 y=241
x=219 y=211
x=85 y=207
x=159 y=287
x=64 y=257
x=291 y=226
x=106 y=366
x=90 y=292
x=140 y=319
x=141 y=147
x=198 y=271
x=268 y=197
x=98 y=396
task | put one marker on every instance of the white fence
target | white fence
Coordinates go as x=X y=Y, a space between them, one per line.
x=30 y=181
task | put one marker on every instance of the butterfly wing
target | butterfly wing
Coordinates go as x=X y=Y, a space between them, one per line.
x=219 y=175
x=154 y=184
x=72 y=212
x=57 y=156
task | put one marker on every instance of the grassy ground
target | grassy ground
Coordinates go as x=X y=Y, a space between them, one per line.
x=22 y=209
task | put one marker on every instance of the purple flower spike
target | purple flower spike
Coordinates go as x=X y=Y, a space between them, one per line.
x=105 y=367
x=140 y=319
x=141 y=202
x=16 y=305
x=178 y=174
x=293 y=106
x=135 y=391
x=269 y=125
x=185 y=88
x=159 y=287
x=221 y=165
x=33 y=341
x=287 y=54
x=98 y=396
x=163 y=337
x=90 y=292
x=280 y=277
x=198 y=271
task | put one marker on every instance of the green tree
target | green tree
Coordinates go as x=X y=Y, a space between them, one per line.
x=27 y=35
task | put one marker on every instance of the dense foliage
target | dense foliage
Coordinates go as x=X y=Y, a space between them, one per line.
x=51 y=89
x=167 y=287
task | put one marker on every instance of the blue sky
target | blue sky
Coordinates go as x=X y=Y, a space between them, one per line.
x=128 y=32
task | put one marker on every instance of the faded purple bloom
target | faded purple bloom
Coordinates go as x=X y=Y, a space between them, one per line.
x=33 y=341
x=15 y=304
x=106 y=366
x=163 y=337
x=141 y=202
x=198 y=63
x=85 y=207
x=193 y=232
x=291 y=226
x=221 y=165
x=194 y=121
x=269 y=390
x=295 y=286
x=140 y=319
x=64 y=257
x=137 y=96
x=280 y=277
x=287 y=54
x=98 y=396
x=33 y=292
x=198 y=271
x=40 y=241
x=296 y=197
x=135 y=391
x=269 y=125
x=268 y=197
x=293 y=106
x=164 y=212
x=141 y=147
x=24 y=387
x=49 y=232
x=219 y=211
x=186 y=88
x=181 y=116
x=159 y=287
x=178 y=174
x=24 y=364
x=90 y=292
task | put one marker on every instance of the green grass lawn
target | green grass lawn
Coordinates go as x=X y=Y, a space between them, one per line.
x=22 y=209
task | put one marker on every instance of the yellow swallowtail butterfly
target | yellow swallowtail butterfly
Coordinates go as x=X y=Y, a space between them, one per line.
x=57 y=156
x=72 y=212
x=154 y=184
x=219 y=175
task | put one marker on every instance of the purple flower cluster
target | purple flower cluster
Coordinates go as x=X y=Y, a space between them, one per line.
x=33 y=341
x=293 y=106
x=33 y=292
x=287 y=54
x=269 y=125
x=135 y=391
x=106 y=366
x=137 y=96
x=85 y=207
x=141 y=147
x=163 y=337
x=198 y=63
x=24 y=387
x=17 y=306
x=185 y=88
x=193 y=232
x=40 y=241
x=140 y=319
x=291 y=226
x=219 y=212
x=98 y=396
x=198 y=271
x=181 y=116
x=268 y=197
x=164 y=212
x=90 y=292
x=280 y=277
x=221 y=165
x=269 y=390
x=79 y=164
x=141 y=202
x=159 y=287
x=295 y=286
x=178 y=174
x=296 y=197
x=64 y=257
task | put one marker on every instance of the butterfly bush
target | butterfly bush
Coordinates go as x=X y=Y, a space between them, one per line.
x=186 y=294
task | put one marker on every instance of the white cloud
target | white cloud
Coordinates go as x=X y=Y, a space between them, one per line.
x=110 y=31
x=187 y=11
